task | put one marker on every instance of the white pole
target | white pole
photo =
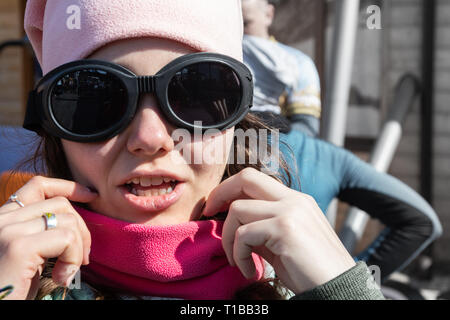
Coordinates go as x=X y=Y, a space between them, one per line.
x=339 y=73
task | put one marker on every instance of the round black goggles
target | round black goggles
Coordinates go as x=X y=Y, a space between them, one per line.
x=94 y=100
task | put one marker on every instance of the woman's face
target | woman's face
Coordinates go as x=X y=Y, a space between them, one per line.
x=132 y=171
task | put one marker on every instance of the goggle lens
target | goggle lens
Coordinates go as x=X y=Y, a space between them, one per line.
x=88 y=101
x=209 y=92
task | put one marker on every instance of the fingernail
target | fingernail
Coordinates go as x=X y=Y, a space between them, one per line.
x=69 y=280
x=69 y=274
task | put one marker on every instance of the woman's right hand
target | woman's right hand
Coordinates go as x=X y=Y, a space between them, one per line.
x=25 y=244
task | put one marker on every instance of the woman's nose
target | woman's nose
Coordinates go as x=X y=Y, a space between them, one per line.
x=149 y=132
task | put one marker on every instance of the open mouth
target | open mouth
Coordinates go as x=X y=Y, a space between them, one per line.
x=152 y=193
x=151 y=186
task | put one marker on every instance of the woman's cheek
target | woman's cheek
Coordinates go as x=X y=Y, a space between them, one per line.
x=216 y=155
x=86 y=161
x=216 y=149
x=202 y=150
x=208 y=157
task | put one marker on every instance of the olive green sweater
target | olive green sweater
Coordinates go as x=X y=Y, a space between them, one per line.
x=355 y=284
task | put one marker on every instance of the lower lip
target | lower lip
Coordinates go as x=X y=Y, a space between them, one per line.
x=153 y=203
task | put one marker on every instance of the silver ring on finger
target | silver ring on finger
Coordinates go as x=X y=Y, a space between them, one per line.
x=15 y=198
x=50 y=220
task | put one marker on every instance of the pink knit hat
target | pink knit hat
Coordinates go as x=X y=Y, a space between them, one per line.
x=61 y=31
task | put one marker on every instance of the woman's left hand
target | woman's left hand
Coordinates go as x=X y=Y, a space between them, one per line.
x=285 y=227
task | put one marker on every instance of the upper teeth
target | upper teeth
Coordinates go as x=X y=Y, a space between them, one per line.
x=149 y=181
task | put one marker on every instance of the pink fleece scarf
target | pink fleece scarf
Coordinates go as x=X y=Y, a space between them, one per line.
x=184 y=261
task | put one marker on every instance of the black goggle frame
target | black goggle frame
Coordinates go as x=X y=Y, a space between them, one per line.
x=39 y=115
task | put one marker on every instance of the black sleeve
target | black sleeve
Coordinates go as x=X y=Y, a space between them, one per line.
x=411 y=224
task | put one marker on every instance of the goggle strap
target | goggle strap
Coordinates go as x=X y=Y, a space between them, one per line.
x=146 y=84
x=32 y=119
